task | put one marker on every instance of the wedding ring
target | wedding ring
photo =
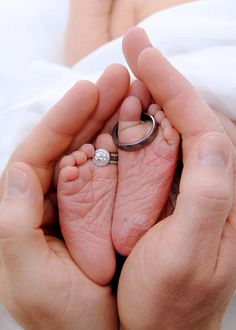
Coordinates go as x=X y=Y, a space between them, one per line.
x=102 y=158
x=141 y=143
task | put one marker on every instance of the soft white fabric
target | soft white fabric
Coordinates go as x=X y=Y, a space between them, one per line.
x=199 y=38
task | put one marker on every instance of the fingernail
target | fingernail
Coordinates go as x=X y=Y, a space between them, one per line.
x=16 y=182
x=215 y=151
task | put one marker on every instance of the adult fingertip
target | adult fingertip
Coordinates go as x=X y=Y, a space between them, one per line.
x=152 y=69
x=115 y=75
x=139 y=34
x=84 y=84
x=116 y=67
x=148 y=58
x=134 y=42
x=85 y=88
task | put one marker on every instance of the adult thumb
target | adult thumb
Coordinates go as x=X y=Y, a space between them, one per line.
x=206 y=195
x=21 y=212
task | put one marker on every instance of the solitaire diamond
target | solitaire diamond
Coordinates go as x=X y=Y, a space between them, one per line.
x=101 y=157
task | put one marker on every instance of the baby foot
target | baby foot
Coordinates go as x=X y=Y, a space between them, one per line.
x=145 y=176
x=86 y=196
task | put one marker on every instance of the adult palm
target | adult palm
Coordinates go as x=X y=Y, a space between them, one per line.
x=41 y=285
x=182 y=273
x=94 y=23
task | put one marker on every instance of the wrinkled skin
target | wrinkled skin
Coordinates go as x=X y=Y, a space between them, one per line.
x=42 y=286
x=127 y=200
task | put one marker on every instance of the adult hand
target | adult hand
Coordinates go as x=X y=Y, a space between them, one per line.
x=182 y=273
x=41 y=285
x=94 y=23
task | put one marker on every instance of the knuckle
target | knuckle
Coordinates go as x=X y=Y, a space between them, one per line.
x=216 y=194
x=8 y=232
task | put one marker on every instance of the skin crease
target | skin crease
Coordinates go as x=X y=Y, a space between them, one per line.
x=65 y=297
x=109 y=31
x=93 y=23
x=22 y=288
x=190 y=289
x=27 y=256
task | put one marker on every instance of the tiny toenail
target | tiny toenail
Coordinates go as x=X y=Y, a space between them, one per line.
x=165 y=123
x=153 y=109
x=160 y=116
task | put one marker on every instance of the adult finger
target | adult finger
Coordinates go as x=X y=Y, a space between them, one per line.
x=184 y=107
x=138 y=89
x=134 y=42
x=178 y=261
x=53 y=134
x=112 y=86
x=188 y=112
x=192 y=117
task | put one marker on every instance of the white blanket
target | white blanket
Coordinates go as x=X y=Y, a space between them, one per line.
x=199 y=38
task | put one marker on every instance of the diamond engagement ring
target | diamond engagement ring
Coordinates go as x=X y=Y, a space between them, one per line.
x=102 y=157
x=141 y=143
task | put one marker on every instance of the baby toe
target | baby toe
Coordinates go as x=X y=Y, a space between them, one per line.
x=171 y=136
x=88 y=149
x=67 y=174
x=154 y=108
x=67 y=160
x=131 y=129
x=105 y=141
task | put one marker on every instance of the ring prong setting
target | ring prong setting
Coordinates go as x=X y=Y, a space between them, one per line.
x=102 y=157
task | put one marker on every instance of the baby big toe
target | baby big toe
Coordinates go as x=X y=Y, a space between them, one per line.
x=169 y=132
x=130 y=128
